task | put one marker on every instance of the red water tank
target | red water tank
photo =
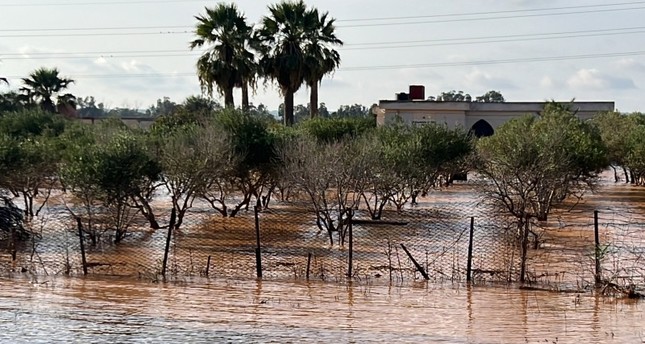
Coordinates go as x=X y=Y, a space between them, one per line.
x=417 y=92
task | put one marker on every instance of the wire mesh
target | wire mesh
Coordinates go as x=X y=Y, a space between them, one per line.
x=435 y=233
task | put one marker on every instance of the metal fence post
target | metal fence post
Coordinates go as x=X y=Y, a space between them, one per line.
x=173 y=216
x=80 y=236
x=351 y=243
x=597 y=248
x=258 y=249
x=525 y=247
x=469 y=264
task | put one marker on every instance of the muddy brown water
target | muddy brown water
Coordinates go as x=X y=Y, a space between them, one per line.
x=60 y=310
x=46 y=309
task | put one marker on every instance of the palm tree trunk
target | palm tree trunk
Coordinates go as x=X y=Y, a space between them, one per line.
x=48 y=105
x=313 y=99
x=229 y=102
x=245 y=95
x=288 y=108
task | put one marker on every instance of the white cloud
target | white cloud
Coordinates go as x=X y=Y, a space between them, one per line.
x=480 y=79
x=547 y=82
x=100 y=61
x=630 y=64
x=595 y=80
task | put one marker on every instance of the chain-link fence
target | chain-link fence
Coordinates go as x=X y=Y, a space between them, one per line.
x=454 y=240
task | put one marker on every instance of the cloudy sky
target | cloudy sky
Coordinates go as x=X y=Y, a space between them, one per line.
x=130 y=53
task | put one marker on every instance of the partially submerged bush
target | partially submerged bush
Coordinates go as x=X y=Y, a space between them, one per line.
x=11 y=219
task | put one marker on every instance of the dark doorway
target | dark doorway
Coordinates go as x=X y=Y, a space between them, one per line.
x=482 y=128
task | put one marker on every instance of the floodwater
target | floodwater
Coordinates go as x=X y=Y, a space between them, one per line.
x=247 y=311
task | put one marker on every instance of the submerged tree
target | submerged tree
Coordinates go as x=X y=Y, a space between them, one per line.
x=533 y=163
x=111 y=172
x=329 y=174
x=29 y=156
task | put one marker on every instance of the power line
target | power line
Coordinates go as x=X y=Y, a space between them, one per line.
x=91 y=3
x=491 y=12
x=493 y=62
x=517 y=36
x=460 y=18
x=490 y=18
x=399 y=66
x=97 y=34
x=355 y=46
x=98 y=28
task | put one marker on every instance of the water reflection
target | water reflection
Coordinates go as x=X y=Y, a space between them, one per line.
x=114 y=311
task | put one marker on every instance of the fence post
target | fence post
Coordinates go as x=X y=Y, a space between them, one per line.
x=308 y=265
x=597 y=248
x=416 y=264
x=469 y=264
x=258 y=252
x=173 y=216
x=82 y=242
x=525 y=247
x=351 y=243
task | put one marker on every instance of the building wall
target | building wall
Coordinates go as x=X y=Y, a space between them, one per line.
x=139 y=123
x=464 y=114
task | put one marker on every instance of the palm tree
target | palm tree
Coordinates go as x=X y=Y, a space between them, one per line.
x=11 y=101
x=228 y=63
x=321 y=59
x=43 y=84
x=281 y=40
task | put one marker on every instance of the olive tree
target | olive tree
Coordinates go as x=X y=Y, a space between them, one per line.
x=107 y=169
x=533 y=163
x=329 y=174
x=635 y=156
x=249 y=162
x=615 y=129
x=406 y=161
x=29 y=156
x=191 y=157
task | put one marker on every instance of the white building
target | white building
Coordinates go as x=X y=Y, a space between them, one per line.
x=483 y=118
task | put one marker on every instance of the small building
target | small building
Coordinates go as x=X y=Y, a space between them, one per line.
x=482 y=118
x=132 y=122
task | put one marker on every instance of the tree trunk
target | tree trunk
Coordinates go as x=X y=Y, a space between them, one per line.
x=524 y=249
x=615 y=174
x=229 y=102
x=626 y=175
x=288 y=108
x=245 y=95
x=313 y=100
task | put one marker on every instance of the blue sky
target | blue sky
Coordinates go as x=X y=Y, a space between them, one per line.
x=130 y=53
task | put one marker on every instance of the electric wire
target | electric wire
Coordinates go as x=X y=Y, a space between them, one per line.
x=355 y=46
x=458 y=17
x=399 y=66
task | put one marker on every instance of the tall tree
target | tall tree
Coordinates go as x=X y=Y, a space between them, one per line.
x=228 y=62
x=45 y=83
x=282 y=41
x=320 y=58
x=453 y=96
x=12 y=101
x=491 y=97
